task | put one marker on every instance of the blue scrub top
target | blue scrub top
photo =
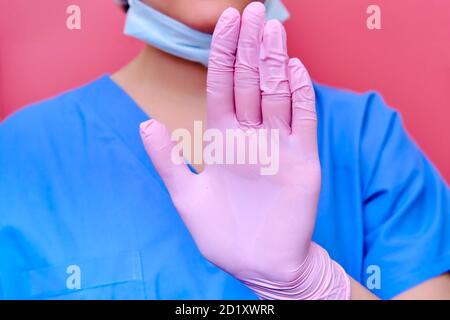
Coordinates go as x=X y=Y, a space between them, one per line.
x=83 y=213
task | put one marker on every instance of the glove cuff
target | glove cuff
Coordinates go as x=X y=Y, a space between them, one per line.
x=320 y=278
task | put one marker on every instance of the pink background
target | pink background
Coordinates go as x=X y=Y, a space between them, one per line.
x=408 y=61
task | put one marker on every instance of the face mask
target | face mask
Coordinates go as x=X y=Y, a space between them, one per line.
x=171 y=36
x=275 y=9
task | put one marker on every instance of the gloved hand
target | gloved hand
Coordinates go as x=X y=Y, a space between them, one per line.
x=256 y=227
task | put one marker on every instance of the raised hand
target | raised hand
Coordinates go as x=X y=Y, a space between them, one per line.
x=254 y=222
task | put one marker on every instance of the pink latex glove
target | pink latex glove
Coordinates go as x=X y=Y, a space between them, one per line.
x=256 y=227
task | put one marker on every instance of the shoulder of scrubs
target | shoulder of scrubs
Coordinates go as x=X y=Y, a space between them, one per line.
x=406 y=203
x=34 y=142
x=32 y=137
x=41 y=144
x=47 y=132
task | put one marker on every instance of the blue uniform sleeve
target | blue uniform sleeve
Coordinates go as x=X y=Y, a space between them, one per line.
x=406 y=206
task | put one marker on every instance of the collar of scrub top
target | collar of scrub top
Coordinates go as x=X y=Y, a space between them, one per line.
x=120 y=113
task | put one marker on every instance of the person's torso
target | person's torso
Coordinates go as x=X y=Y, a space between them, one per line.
x=84 y=215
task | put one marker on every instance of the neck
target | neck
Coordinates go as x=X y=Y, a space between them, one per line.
x=156 y=72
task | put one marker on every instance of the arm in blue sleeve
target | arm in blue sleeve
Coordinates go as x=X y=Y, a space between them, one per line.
x=406 y=205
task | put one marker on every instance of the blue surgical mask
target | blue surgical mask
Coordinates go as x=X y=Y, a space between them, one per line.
x=275 y=9
x=171 y=36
